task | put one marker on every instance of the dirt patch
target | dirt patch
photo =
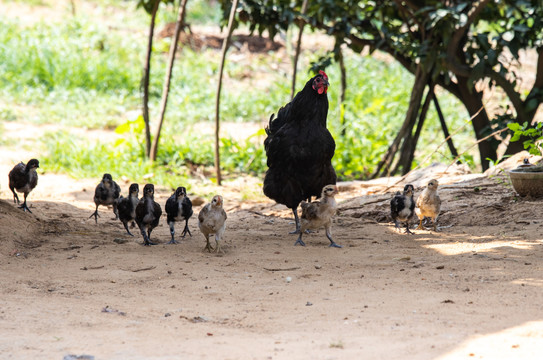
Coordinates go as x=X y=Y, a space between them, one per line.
x=199 y=41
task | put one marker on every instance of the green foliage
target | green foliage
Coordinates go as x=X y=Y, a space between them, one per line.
x=463 y=39
x=78 y=74
x=534 y=136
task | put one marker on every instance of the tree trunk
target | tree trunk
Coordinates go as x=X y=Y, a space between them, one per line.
x=473 y=102
x=167 y=80
x=145 y=80
x=449 y=140
x=297 y=53
x=421 y=79
x=407 y=154
x=72 y=3
x=225 y=44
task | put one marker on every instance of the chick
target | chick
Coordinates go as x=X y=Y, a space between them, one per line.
x=319 y=213
x=402 y=207
x=211 y=220
x=178 y=208
x=148 y=213
x=127 y=207
x=23 y=178
x=107 y=193
x=429 y=204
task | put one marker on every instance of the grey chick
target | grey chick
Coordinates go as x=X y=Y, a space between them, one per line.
x=319 y=213
x=23 y=178
x=429 y=204
x=148 y=214
x=179 y=208
x=212 y=220
x=402 y=207
x=107 y=193
x=126 y=206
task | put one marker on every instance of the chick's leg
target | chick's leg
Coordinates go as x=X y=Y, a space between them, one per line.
x=434 y=223
x=146 y=237
x=24 y=207
x=115 y=211
x=186 y=229
x=407 y=231
x=95 y=214
x=218 y=249
x=126 y=227
x=15 y=197
x=208 y=245
x=420 y=224
x=172 y=232
x=329 y=236
x=397 y=225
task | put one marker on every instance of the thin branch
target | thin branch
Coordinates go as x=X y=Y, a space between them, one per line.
x=437 y=149
x=167 y=80
x=219 y=85
x=145 y=80
x=287 y=269
x=298 y=49
x=476 y=143
x=411 y=16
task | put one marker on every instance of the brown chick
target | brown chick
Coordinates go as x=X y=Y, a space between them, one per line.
x=212 y=220
x=429 y=204
x=319 y=213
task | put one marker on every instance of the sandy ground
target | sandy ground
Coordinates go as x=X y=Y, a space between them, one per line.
x=471 y=291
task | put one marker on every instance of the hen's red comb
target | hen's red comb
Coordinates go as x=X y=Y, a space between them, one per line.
x=323 y=74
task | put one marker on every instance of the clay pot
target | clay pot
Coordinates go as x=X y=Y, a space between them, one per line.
x=527 y=182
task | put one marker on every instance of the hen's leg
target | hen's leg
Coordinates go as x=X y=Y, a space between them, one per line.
x=299 y=241
x=296 y=220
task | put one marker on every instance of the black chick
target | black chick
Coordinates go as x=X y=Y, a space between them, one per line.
x=148 y=214
x=23 y=178
x=127 y=207
x=299 y=148
x=107 y=193
x=402 y=207
x=179 y=208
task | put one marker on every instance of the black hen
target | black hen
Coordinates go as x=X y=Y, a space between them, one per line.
x=300 y=148
x=148 y=214
x=402 y=207
x=23 y=178
x=127 y=207
x=178 y=208
x=106 y=193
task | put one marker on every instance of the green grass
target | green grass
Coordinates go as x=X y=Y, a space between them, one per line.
x=82 y=73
